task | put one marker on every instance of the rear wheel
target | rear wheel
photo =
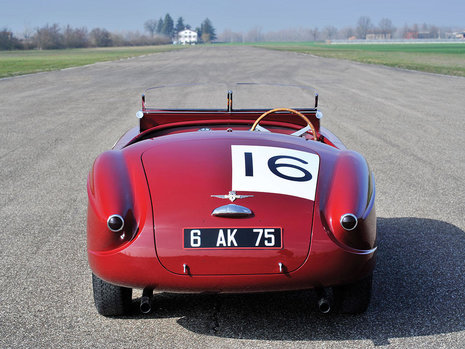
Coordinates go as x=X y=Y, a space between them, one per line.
x=111 y=300
x=354 y=298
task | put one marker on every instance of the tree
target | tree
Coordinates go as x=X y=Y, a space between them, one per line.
x=229 y=36
x=435 y=31
x=48 y=37
x=100 y=37
x=330 y=32
x=346 y=33
x=75 y=38
x=168 y=26
x=207 y=31
x=315 y=33
x=180 y=25
x=160 y=26
x=8 y=41
x=363 y=26
x=151 y=26
x=386 y=27
x=254 y=35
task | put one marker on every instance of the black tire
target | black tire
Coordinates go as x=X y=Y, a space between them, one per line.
x=111 y=300
x=354 y=298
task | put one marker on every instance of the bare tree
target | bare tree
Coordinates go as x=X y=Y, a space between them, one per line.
x=315 y=33
x=363 y=26
x=48 y=37
x=225 y=36
x=254 y=35
x=346 y=33
x=330 y=32
x=151 y=26
x=100 y=37
x=435 y=31
x=386 y=27
x=28 y=35
x=75 y=38
x=236 y=37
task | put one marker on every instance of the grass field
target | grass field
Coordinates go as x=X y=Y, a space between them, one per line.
x=33 y=61
x=440 y=58
x=434 y=58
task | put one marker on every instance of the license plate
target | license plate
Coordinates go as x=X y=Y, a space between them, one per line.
x=232 y=238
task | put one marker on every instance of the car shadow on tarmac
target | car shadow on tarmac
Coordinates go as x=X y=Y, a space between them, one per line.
x=417 y=291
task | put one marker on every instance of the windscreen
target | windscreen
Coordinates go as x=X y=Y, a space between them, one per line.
x=245 y=95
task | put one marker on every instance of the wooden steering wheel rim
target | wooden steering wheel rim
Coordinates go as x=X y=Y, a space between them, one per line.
x=302 y=116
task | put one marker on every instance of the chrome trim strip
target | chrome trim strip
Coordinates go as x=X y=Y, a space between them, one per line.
x=372 y=199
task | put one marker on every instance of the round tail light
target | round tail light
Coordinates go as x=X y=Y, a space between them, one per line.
x=115 y=223
x=349 y=221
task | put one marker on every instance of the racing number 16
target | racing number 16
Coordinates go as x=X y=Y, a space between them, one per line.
x=274 y=167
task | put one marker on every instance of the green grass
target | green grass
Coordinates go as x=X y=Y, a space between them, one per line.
x=434 y=58
x=32 y=61
x=437 y=58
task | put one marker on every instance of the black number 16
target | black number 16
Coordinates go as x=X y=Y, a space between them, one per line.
x=274 y=167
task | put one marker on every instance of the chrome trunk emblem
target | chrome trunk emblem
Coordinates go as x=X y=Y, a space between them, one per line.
x=232 y=196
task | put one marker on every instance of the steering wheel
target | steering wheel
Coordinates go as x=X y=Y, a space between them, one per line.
x=297 y=133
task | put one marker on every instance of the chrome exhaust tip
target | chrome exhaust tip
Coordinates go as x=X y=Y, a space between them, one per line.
x=145 y=306
x=146 y=301
x=324 y=306
x=325 y=299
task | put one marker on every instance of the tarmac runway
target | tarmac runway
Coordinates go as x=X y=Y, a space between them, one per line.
x=409 y=125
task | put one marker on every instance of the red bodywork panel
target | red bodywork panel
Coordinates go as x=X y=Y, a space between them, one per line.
x=200 y=165
x=162 y=181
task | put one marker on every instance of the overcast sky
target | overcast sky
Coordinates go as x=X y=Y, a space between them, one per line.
x=237 y=15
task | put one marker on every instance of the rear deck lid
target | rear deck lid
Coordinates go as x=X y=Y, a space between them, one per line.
x=191 y=175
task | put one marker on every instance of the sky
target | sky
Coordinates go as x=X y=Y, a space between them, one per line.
x=236 y=15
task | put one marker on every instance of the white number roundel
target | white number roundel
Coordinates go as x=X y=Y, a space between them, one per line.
x=274 y=170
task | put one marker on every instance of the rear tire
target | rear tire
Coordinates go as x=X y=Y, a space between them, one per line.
x=354 y=298
x=109 y=299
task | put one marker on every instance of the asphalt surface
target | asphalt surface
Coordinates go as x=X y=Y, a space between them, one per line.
x=409 y=125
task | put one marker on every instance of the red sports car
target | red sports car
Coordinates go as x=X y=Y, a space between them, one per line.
x=230 y=200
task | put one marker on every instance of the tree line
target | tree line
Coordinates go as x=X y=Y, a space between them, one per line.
x=164 y=31
x=56 y=37
x=364 y=29
x=160 y=32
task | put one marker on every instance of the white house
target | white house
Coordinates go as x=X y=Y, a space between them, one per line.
x=187 y=37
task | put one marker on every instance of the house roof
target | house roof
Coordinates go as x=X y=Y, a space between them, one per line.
x=187 y=31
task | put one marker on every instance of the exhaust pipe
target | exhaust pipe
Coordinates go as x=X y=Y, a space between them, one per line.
x=325 y=299
x=146 y=301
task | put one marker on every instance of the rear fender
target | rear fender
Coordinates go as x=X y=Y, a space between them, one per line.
x=110 y=192
x=351 y=190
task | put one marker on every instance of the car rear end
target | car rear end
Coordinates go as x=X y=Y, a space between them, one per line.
x=284 y=242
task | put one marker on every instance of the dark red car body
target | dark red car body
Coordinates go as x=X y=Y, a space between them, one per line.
x=167 y=176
